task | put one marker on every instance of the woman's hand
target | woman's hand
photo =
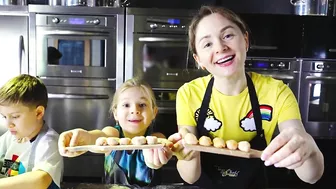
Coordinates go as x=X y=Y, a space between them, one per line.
x=290 y=149
x=156 y=158
x=71 y=138
x=178 y=148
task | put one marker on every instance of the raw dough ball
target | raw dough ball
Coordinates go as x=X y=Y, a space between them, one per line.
x=218 y=142
x=205 y=141
x=244 y=146
x=190 y=138
x=139 y=140
x=124 y=141
x=112 y=141
x=101 y=141
x=152 y=139
x=232 y=144
x=164 y=141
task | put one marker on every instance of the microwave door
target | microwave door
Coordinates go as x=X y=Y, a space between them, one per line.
x=76 y=54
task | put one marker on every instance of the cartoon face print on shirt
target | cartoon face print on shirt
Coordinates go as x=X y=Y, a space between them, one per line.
x=211 y=122
x=248 y=124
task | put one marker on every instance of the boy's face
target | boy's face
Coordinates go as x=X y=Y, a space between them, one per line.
x=22 y=121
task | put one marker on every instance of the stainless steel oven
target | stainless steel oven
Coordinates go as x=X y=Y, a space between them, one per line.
x=78 y=54
x=287 y=70
x=157 y=47
x=78 y=42
x=318 y=102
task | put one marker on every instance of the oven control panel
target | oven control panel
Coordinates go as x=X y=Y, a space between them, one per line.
x=324 y=66
x=267 y=65
x=75 y=20
x=167 y=24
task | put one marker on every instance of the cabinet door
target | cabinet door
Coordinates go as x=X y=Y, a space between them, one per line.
x=274 y=35
x=13 y=46
x=319 y=38
x=259 y=6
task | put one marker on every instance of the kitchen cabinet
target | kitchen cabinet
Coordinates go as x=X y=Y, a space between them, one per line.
x=259 y=6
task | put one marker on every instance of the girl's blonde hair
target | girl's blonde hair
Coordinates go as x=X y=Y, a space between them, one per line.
x=134 y=82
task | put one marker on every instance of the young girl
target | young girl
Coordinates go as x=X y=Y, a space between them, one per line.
x=134 y=108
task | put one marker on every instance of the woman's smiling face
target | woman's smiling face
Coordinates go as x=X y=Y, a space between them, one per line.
x=221 y=46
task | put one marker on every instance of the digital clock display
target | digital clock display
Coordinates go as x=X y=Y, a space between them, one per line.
x=76 y=21
x=173 y=21
x=261 y=65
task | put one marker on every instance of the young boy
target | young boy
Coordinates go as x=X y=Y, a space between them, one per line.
x=29 y=155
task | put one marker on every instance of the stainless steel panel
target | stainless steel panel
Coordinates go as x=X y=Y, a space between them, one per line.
x=75 y=10
x=78 y=107
x=13 y=43
x=86 y=165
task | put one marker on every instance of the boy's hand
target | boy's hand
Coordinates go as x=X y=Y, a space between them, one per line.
x=75 y=137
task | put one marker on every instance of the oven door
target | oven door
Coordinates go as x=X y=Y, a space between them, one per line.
x=75 y=53
x=318 y=104
x=71 y=107
x=163 y=57
x=291 y=79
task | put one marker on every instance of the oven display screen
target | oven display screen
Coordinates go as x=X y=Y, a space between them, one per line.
x=261 y=65
x=77 y=21
x=173 y=21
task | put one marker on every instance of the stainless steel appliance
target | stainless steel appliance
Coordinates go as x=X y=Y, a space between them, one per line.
x=287 y=70
x=13 y=44
x=90 y=41
x=310 y=7
x=318 y=102
x=157 y=47
x=78 y=53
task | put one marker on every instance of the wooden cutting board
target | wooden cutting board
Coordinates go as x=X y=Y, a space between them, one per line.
x=95 y=148
x=224 y=151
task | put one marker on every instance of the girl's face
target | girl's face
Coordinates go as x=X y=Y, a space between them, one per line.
x=221 y=46
x=134 y=112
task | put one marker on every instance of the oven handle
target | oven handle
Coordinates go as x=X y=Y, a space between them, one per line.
x=166 y=109
x=263 y=47
x=76 y=33
x=312 y=77
x=161 y=39
x=72 y=96
x=278 y=76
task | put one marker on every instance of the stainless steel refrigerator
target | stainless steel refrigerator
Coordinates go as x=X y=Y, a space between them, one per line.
x=13 y=44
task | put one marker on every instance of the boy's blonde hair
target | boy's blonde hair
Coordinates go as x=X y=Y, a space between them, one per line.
x=24 y=89
x=134 y=82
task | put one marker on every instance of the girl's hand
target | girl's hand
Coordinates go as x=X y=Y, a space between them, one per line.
x=290 y=149
x=75 y=137
x=156 y=158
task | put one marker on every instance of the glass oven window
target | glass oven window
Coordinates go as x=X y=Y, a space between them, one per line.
x=76 y=52
x=322 y=102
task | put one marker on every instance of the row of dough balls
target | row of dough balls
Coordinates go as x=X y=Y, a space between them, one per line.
x=138 y=140
x=244 y=146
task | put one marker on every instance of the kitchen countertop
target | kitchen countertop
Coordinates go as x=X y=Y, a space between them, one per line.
x=115 y=186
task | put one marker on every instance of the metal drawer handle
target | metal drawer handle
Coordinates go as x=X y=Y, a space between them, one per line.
x=76 y=71
x=311 y=77
x=76 y=96
x=288 y=77
x=161 y=39
x=332 y=50
x=262 y=47
x=171 y=74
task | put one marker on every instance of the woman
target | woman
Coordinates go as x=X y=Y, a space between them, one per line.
x=232 y=104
